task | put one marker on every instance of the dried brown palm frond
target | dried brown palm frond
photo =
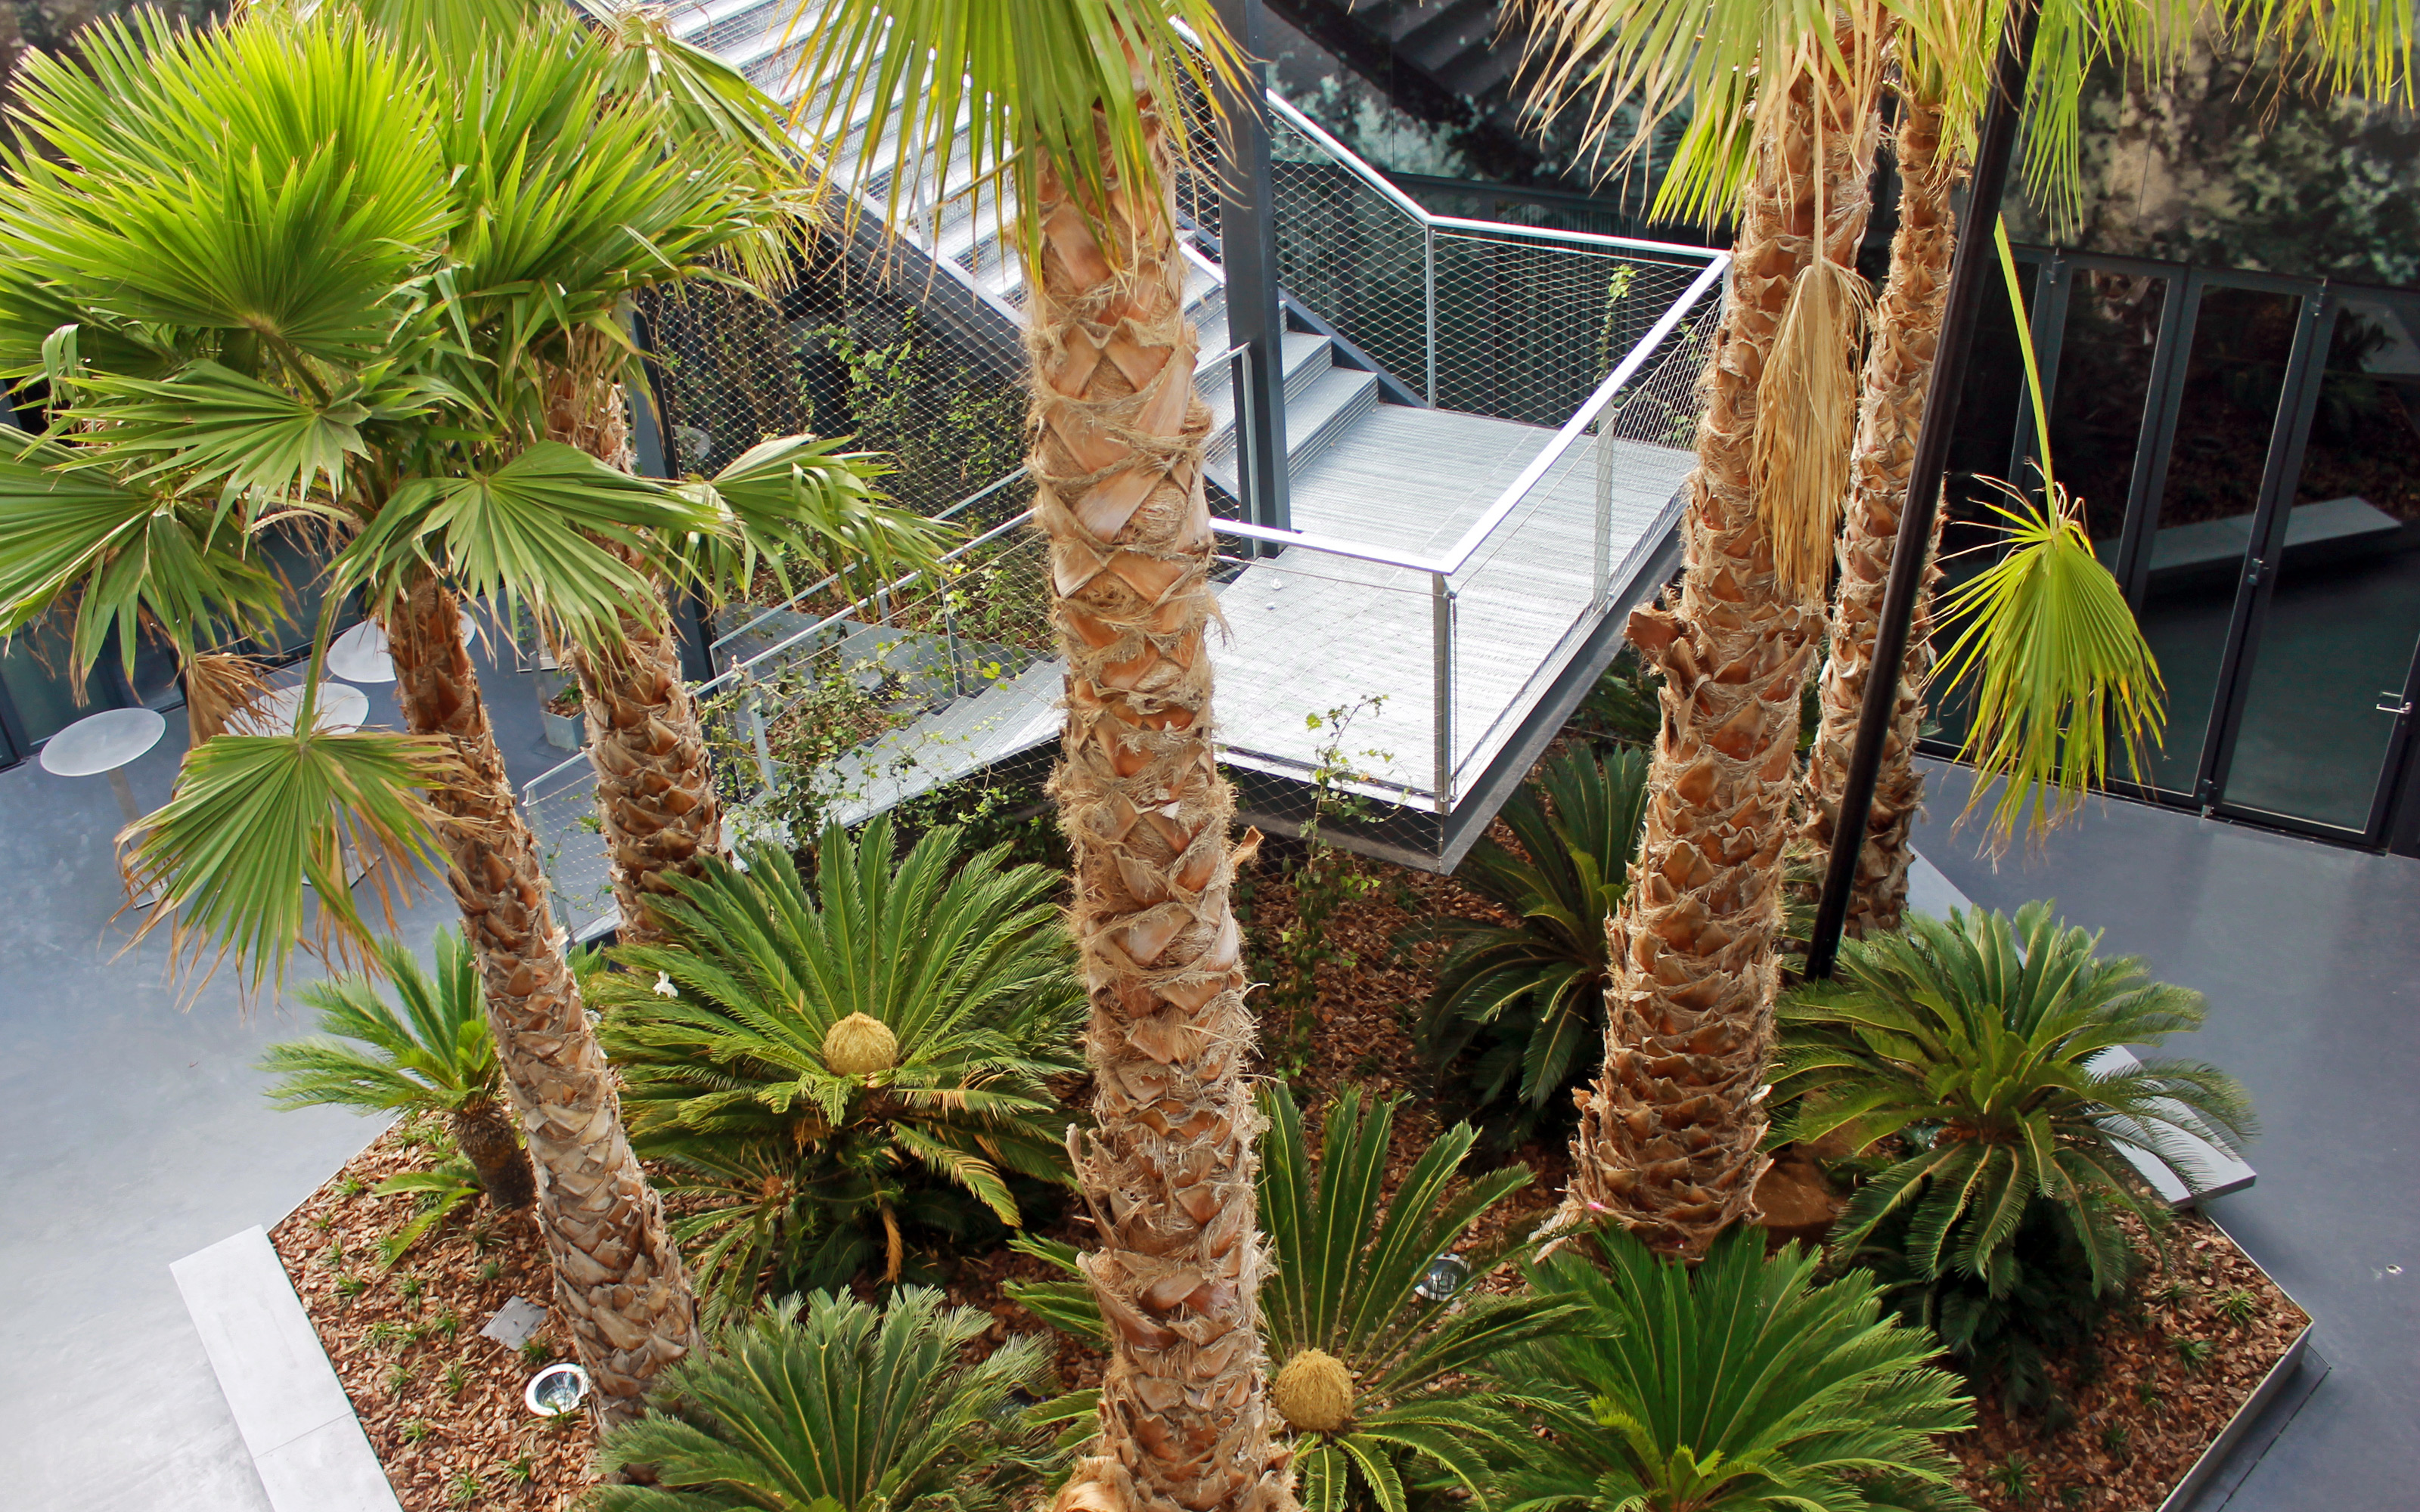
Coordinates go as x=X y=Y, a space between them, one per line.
x=1807 y=422
x=218 y=683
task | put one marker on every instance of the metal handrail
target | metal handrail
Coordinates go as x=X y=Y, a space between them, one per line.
x=1453 y=560
x=819 y=585
x=1371 y=176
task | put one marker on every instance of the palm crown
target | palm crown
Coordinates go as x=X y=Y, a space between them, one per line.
x=430 y=1050
x=1980 y=1042
x=1743 y=1383
x=299 y=270
x=831 y=1405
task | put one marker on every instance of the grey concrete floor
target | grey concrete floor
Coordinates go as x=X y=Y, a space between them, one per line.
x=2310 y=959
x=132 y=1132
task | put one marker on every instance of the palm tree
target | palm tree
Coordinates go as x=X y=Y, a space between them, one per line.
x=1938 y=83
x=1670 y=1132
x=1074 y=107
x=433 y=1056
x=655 y=793
x=339 y=337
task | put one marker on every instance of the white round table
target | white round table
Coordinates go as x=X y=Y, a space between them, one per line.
x=360 y=654
x=106 y=742
x=341 y=708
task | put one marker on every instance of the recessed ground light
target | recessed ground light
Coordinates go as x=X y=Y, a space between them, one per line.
x=1443 y=1278
x=556 y=1390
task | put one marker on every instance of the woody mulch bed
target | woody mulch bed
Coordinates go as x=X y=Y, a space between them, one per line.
x=443 y=1405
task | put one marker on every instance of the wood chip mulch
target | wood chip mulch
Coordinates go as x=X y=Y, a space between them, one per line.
x=2143 y=1415
x=442 y=1405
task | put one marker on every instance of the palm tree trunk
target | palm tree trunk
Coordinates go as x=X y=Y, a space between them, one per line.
x=1117 y=452
x=485 y=1135
x=620 y=1290
x=1898 y=371
x=1668 y=1136
x=654 y=786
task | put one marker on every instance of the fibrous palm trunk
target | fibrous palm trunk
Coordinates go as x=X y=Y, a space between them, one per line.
x=1669 y=1134
x=483 y=1133
x=1117 y=444
x=654 y=787
x=620 y=1290
x=1898 y=373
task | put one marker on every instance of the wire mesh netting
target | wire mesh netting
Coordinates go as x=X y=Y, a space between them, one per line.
x=1541 y=580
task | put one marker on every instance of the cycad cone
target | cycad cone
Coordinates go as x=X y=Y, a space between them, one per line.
x=1314 y=1393
x=859 y=1046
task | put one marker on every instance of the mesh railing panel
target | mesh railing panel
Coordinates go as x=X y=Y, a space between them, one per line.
x=1527 y=328
x=561 y=808
x=1579 y=533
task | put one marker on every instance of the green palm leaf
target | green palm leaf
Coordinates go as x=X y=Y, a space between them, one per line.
x=1055 y=86
x=260 y=825
x=429 y=1051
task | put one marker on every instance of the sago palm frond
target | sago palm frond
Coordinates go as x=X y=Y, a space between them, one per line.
x=1978 y=1037
x=831 y=1405
x=1344 y=1293
x=429 y=1051
x=1527 y=996
x=1743 y=1383
x=959 y=960
x=1050 y=86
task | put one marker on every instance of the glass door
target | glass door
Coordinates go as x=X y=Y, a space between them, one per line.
x=2188 y=575
x=2326 y=684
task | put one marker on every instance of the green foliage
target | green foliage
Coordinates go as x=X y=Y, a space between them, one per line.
x=1523 y=1001
x=1004 y=94
x=1978 y=1037
x=790 y=1174
x=1343 y=1283
x=950 y=430
x=430 y=1052
x=1622 y=706
x=832 y=1405
x=442 y=1192
x=1326 y=879
x=1743 y=1385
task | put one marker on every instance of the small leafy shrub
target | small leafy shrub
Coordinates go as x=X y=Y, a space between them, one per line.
x=831 y=1405
x=2117 y=1439
x=1517 y=1005
x=1360 y=1356
x=1326 y=879
x=2192 y=1354
x=535 y=1350
x=1748 y=1383
x=427 y=1053
x=417 y=1429
x=2238 y=1306
x=794 y=1174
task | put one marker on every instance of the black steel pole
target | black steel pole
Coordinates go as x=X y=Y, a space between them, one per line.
x=1248 y=254
x=1971 y=269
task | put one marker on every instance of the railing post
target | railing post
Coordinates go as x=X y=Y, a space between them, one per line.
x=1248 y=254
x=1441 y=637
x=1428 y=287
x=1603 y=504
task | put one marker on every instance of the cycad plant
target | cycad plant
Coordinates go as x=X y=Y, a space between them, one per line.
x=1376 y=1352
x=831 y=1405
x=1529 y=997
x=1980 y=1043
x=430 y=1052
x=833 y=1065
x=1741 y=1384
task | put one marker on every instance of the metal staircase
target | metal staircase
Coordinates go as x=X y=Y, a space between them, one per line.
x=1486 y=431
